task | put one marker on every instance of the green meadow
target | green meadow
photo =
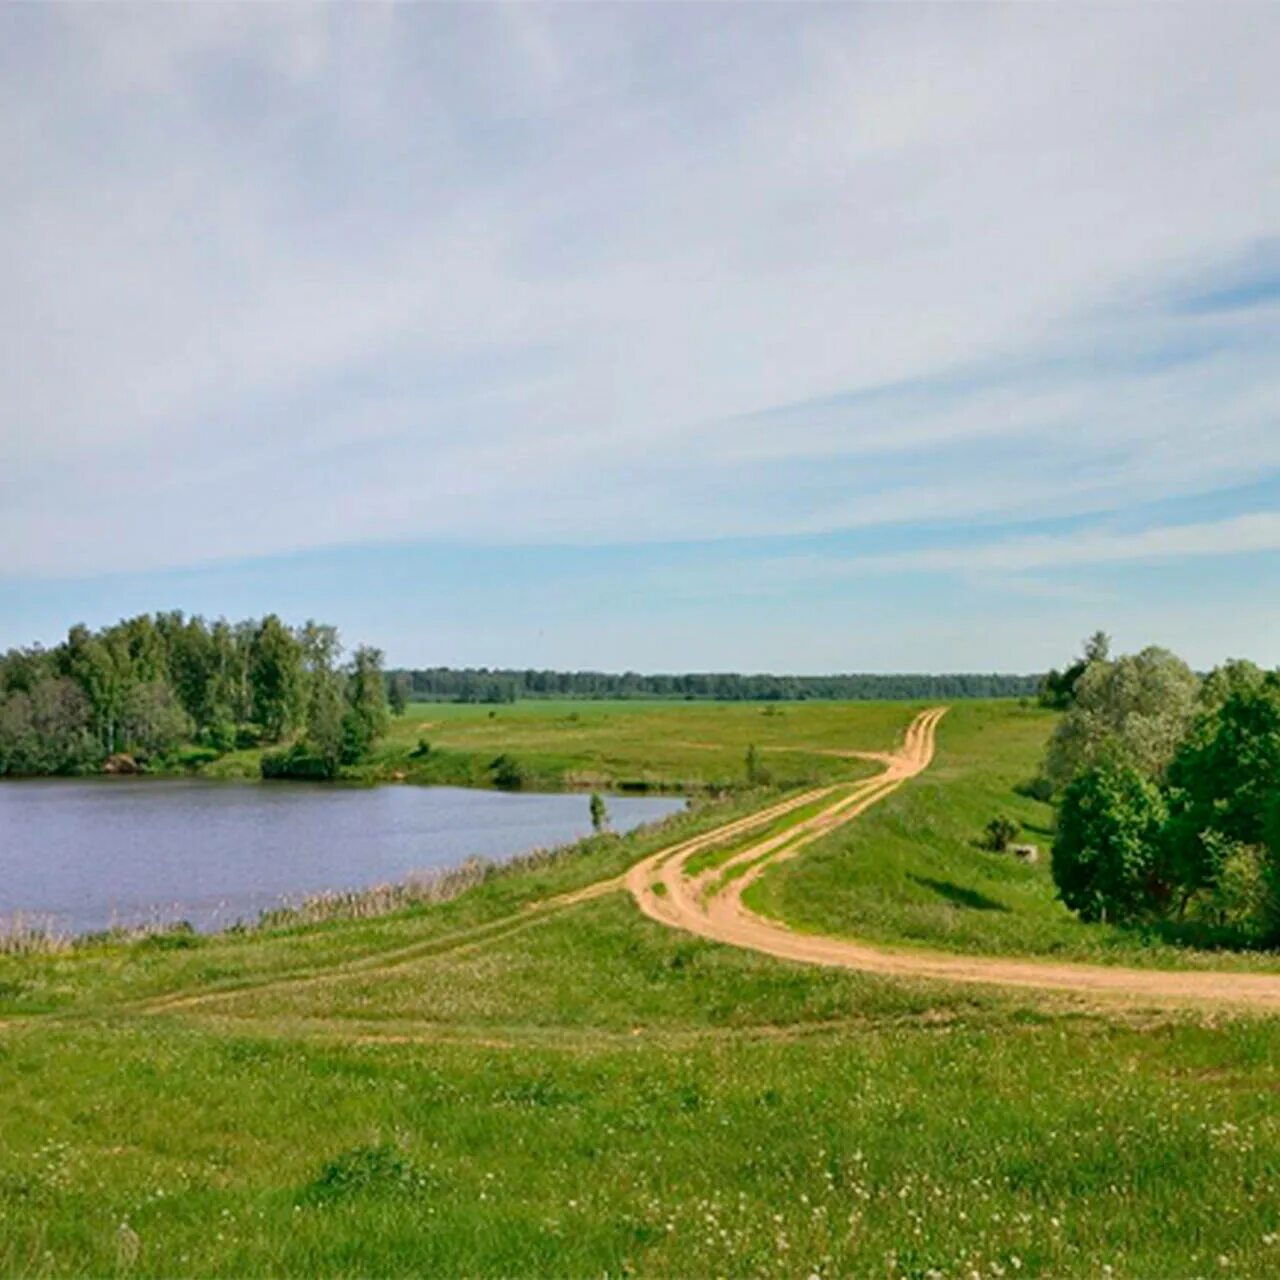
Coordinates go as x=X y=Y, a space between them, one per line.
x=680 y=746
x=913 y=870
x=472 y=1087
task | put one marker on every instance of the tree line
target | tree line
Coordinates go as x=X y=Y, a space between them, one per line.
x=482 y=684
x=164 y=688
x=1169 y=794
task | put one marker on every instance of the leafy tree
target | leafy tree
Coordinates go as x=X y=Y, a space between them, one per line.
x=152 y=720
x=1134 y=709
x=275 y=675
x=1106 y=855
x=399 y=688
x=94 y=663
x=47 y=729
x=1058 y=689
x=1237 y=675
x=1224 y=782
x=367 y=716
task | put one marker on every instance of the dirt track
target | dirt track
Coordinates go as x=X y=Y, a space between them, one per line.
x=710 y=904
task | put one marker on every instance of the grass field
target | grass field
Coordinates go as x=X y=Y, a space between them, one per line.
x=630 y=745
x=681 y=746
x=912 y=871
x=472 y=1089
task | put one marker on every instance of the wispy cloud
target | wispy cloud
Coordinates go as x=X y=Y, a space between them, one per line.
x=1245 y=534
x=285 y=278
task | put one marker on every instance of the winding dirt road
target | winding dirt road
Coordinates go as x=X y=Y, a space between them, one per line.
x=709 y=903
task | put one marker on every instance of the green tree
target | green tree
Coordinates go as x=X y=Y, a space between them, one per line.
x=367 y=717
x=1106 y=854
x=1224 y=782
x=1058 y=689
x=1135 y=709
x=275 y=675
x=97 y=667
x=398 y=689
x=326 y=704
x=152 y=720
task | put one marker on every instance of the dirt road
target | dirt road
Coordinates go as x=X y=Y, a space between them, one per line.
x=710 y=904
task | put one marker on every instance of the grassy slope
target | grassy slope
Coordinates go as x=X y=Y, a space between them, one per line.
x=599 y=1095
x=911 y=870
x=594 y=1094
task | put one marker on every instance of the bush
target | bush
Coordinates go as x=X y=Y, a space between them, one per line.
x=378 y=1170
x=508 y=773
x=297 y=762
x=1000 y=833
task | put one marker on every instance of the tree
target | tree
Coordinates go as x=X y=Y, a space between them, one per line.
x=1224 y=782
x=1106 y=855
x=367 y=717
x=599 y=814
x=326 y=712
x=47 y=728
x=275 y=676
x=398 y=689
x=1058 y=689
x=152 y=720
x=93 y=663
x=1236 y=675
x=1134 y=709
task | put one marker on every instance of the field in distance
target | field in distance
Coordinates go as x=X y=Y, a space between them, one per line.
x=643 y=745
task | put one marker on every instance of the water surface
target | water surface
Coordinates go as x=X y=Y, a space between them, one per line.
x=89 y=854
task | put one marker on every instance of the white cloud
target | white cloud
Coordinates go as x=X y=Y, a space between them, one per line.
x=1259 y=531
x=1236 y=535
x=288 y=277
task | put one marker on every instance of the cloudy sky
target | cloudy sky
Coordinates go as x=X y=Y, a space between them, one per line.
x=781 y=337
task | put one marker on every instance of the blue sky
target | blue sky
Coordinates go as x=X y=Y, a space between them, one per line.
x=780 y=337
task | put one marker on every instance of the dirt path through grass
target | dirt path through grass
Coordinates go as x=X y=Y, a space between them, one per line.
x=710 y=904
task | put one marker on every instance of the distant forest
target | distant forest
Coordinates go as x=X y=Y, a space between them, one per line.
x=480 y=684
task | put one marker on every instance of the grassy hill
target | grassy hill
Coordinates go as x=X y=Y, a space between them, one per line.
x=477 y=1088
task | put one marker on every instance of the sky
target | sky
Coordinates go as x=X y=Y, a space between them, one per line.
x=736 y=337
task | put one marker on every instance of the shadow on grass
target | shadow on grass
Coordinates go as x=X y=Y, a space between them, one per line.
x=961 y=896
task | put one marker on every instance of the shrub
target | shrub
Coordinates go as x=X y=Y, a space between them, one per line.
x=508 y=773
x=1000 y=833
x=297 y=762
x=376 y=1170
